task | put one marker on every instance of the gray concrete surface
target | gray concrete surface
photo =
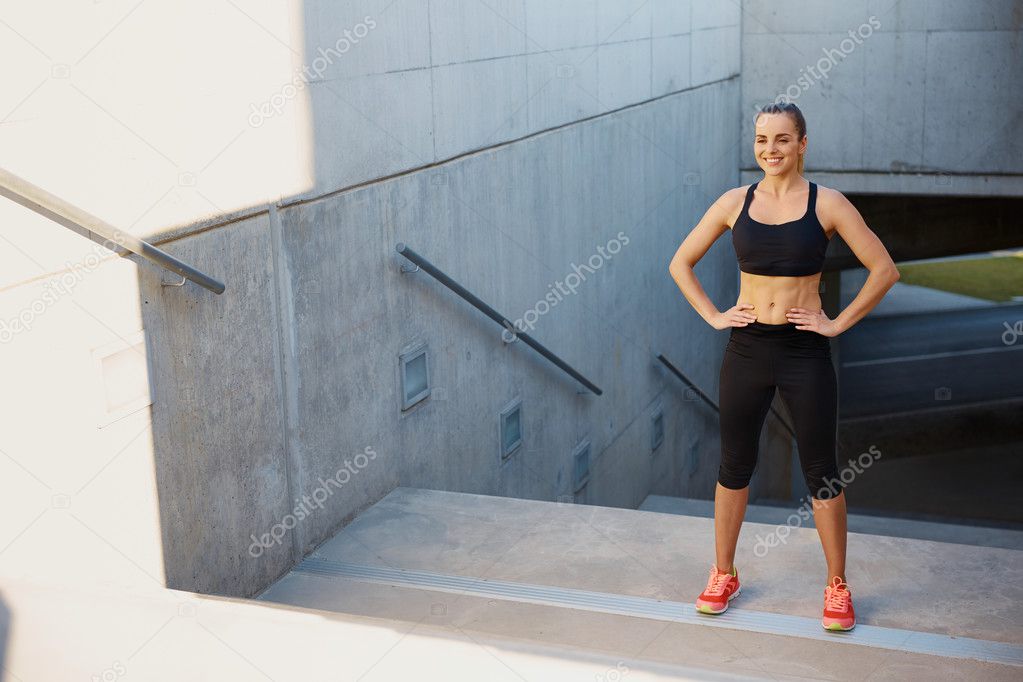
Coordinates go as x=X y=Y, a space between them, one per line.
x=667 y=556
x=873 y=80
x=257 y=398
x=661 y=556
x=382 y=88
x=109 y=632
x=153 y=433
x=506 y=224
x=218 y=427
x=974 y=482
x=930 y=360
x=246 y=403
x=987 y=426
x=716 y=650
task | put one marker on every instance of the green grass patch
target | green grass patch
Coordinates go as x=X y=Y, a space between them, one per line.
x=998 y=278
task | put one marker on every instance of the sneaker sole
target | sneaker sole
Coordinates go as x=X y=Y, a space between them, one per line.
x=837 y=626
x=707 y=609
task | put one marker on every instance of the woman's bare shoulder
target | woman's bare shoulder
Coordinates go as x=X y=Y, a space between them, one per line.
x=730 y=203
x=830 y=202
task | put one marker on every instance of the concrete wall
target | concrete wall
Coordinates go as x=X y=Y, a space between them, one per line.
x=900 y=96
x=153 y=430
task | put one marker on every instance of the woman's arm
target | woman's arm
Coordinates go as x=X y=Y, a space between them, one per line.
x=870 y=252
x=713 y=224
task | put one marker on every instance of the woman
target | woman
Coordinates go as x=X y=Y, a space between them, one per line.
x=779 y=339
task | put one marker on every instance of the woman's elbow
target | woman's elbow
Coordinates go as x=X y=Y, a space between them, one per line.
x=677 y=266
x=890 y=273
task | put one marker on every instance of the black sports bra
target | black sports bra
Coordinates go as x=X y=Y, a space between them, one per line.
x=789 y=249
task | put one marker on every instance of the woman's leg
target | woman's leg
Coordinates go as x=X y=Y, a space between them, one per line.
x=746 y=392
x=808 y=385
x=729 y=510
x=830 y=518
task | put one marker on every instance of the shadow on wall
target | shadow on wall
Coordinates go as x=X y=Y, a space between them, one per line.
x=241 y=489
x=236 y=499
x=6 y=626
x=243 y=494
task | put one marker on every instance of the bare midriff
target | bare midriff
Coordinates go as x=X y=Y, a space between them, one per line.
x=772 y=296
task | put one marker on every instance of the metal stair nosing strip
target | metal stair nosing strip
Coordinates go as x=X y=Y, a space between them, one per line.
x=643 y=607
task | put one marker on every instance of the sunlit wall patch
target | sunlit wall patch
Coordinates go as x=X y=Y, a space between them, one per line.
x=123 y=369
x=415 y=375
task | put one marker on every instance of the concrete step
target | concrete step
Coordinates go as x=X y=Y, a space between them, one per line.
x=942 y=428
x=979 y=481
x=54 y=632
x=621 y=582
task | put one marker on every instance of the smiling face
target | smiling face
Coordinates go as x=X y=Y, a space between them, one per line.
x=777 y=145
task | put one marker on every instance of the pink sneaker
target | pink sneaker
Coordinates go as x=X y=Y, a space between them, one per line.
x=838 y=608
x=721 y=588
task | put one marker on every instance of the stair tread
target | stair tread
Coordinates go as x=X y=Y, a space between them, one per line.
x=909 y=584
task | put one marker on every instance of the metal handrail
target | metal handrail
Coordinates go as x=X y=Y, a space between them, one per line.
x=48 y=205
x=493 y=314
x=678 y=373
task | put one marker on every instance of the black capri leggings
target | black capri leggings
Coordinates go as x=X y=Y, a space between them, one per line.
x=759 y=358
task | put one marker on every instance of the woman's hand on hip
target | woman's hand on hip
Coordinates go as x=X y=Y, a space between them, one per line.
x=812 y=320
x=736 y=316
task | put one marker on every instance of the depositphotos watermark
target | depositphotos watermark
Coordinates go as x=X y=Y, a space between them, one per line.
x=796 y=519
x=614 y=674
x=556 y=292
x=311 y=502
x=1012 y=332
x=310 y=72
x=115 y=671
x=811 y=73
x=58 y=287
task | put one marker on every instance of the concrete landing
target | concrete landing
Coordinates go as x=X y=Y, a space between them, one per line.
x=621 y=582
x=54 y=632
